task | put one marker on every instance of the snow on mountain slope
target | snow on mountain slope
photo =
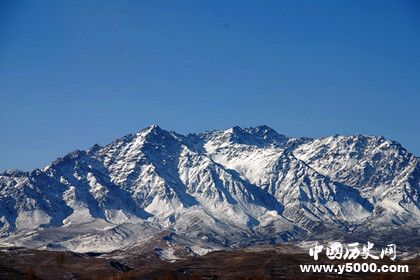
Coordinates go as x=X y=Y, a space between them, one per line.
x=307 y=196
x=223 y=188
x=382 y=170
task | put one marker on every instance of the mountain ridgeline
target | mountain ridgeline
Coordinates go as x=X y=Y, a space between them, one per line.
x=230 y=188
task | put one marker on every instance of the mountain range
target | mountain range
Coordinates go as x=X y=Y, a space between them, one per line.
x=221 y=189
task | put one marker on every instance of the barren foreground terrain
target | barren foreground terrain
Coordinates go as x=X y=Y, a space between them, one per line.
x=276 y=262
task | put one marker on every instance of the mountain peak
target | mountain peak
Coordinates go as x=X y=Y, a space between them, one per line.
x=256 y=129
x=257 y=136
x=152 y=129
x=14 y=173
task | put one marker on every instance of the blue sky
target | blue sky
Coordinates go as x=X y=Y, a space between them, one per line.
x=75 y=73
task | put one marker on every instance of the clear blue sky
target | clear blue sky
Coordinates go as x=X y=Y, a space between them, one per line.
x=75 y=73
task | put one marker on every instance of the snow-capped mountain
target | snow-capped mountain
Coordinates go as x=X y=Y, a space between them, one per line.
x=233 y=187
